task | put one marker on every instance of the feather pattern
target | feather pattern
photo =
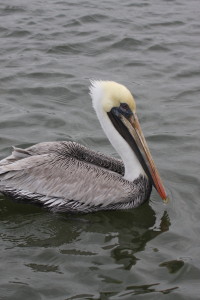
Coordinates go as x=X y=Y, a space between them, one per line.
x=66 y=176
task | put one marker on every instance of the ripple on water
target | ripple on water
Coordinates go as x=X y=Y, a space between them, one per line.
x=49 y=52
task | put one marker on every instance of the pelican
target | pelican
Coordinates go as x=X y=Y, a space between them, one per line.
x=68 y=177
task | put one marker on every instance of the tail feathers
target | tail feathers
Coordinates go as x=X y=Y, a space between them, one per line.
x=17 y=154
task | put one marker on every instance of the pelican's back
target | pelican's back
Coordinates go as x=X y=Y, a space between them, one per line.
x=64 y=176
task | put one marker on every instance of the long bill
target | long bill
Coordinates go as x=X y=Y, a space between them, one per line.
x=136 y=131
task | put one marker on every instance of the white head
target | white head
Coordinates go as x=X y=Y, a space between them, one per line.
x=116 y=110
x=110 y=94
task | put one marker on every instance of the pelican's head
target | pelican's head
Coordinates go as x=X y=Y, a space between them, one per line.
x=110 y=94
x=116 y=101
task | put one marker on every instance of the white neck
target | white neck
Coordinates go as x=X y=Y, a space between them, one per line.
x=133 y=168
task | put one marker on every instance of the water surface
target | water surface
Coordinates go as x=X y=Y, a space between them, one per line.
x=49 y=51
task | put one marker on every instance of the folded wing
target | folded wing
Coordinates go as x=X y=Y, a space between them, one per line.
x=63 y=175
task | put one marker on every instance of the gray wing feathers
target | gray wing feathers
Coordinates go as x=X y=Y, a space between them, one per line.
x=17 y=154
x=79 y=152
x=53 y=170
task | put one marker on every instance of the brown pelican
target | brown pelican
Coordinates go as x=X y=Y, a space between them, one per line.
x=66 y=176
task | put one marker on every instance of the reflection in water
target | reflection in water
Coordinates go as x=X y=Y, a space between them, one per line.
x=82 y=247
x=130 y=229
x=135 y=238
x=173 y=266
x=144 y=289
